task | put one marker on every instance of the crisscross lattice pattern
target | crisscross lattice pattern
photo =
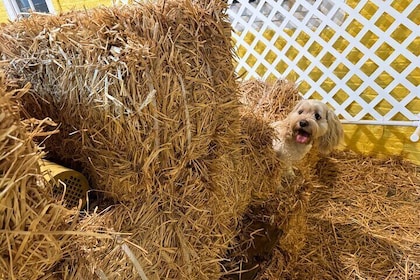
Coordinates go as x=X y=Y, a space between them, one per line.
x=361 y=57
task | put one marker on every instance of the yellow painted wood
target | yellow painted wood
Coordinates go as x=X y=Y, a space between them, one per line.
x=382 y=141
x=4 y=17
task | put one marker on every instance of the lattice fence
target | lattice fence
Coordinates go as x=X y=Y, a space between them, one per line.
x=361 y=57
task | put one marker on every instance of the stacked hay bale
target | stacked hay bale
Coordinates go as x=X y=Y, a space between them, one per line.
x=30 y=221
x=277 y=212
x=145 y=99
x=264 y=103
x=270 y=101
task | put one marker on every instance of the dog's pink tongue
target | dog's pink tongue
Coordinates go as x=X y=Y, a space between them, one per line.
x=302 y=139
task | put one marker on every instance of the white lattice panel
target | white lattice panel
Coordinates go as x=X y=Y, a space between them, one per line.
x=361 y=57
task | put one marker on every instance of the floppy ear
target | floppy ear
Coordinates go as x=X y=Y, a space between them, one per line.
x=334 y=135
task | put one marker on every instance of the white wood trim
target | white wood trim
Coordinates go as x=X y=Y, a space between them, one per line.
x=10 y=8
x=13 y=11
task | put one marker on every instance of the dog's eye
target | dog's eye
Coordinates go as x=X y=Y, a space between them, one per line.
x=317 y=116
x=300 y=112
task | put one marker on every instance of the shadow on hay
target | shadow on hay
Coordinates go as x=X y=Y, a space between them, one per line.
x=256 y=243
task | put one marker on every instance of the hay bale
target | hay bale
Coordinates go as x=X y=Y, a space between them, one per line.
x=145 y=96
x=163 y=245
x=263 y=103
x=265 y=169
x=270 y=101
x=174 y=238
x=277 y=211
x=31 y=224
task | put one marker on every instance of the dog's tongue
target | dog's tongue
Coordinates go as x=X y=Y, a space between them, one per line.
x=302 y=137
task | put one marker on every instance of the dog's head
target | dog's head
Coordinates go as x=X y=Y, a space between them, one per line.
x=311 y=121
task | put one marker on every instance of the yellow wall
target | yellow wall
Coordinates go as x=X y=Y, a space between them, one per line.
x=61 y=6
x=3 y=13
x=382 y=141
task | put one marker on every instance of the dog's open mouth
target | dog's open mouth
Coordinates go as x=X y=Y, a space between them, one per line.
x=302 y=137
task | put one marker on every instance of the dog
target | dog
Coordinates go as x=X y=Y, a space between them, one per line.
x=310 y=123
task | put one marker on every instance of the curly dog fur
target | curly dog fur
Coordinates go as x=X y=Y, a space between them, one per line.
x=310 y=123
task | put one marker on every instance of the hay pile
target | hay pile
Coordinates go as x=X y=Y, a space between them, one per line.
x=362 y=219
x=145 y=98
x=269 y=101
x=31 y=223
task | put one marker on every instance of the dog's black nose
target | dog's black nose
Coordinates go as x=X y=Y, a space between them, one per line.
x=303 y=123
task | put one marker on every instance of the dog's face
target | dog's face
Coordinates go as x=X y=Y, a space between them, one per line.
x=311 y=121
x=308 y=121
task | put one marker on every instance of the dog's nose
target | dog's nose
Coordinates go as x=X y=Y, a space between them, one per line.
x=303 y=123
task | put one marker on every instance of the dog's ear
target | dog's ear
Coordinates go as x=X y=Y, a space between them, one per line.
x=334 y=135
